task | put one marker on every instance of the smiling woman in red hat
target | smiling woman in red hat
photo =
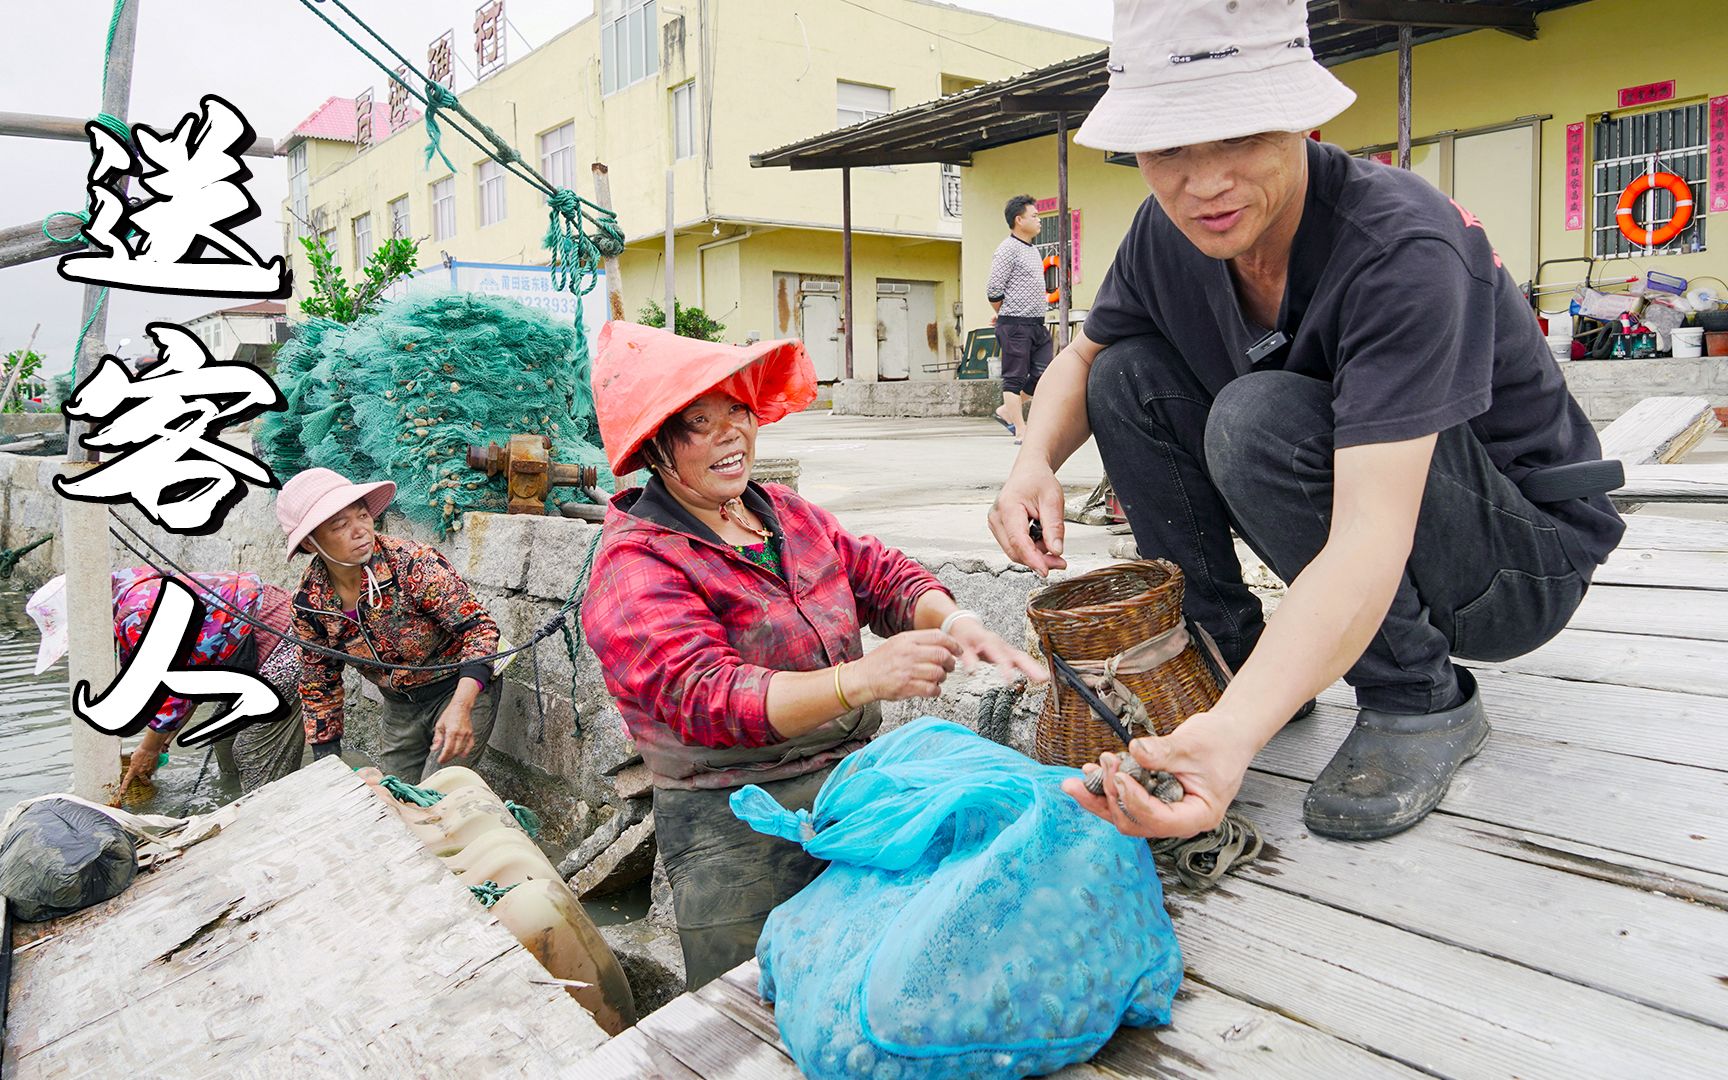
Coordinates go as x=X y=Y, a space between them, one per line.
x=727 y=615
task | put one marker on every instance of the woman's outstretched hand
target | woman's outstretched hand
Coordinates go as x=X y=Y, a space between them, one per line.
x=980 y=644
x=912 y=664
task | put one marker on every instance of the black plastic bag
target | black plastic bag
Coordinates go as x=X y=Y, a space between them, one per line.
x=60 y=857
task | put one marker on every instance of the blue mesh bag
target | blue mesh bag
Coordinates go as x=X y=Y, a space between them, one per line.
x=973 y=920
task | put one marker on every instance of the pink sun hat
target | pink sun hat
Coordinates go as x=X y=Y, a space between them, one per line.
x=47 y=606
x=313 y=496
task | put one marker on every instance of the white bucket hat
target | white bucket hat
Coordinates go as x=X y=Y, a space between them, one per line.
x=47 y=606
x=1193 y=71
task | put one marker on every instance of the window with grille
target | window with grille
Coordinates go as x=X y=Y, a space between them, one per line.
x=297 y=188
x=628 y=52
x=858 y=103
x=444 y=208
x=558 y=156
x=684 y=121
x=329 y=238
x=491 y=176
x=399 y=218
x=1049 y=241
x=1671 y=140
x=362 y=239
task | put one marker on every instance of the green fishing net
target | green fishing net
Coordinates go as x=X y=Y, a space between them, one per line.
x=402 y=392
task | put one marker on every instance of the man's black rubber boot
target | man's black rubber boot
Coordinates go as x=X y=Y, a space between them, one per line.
x=1393 y=769
x=1303 y=711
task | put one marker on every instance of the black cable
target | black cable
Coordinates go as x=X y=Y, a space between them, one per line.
x=551 y=626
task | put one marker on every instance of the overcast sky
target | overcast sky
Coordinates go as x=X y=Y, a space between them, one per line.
x=276 y=62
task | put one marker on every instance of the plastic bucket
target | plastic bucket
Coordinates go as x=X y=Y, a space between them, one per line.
x=1561 y=347
x=1688 y=341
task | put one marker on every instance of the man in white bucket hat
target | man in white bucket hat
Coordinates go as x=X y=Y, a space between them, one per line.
x=1325 y=355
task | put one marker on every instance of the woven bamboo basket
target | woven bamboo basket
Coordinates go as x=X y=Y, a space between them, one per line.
x=1095 y=616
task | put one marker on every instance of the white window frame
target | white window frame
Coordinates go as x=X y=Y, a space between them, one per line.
x=1620 y=156
x=489 y=177
x=856 y=102
x=558 y=156
x=629 y=49
x=684 y=121
x=443 y=208
x=400 y=221
x=362 y=232
x=329 y=238
x=298 y=189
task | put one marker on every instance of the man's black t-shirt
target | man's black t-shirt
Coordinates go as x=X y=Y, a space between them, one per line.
x=1397 y=299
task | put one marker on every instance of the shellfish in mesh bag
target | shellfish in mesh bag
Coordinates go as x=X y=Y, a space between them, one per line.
x=973 y=920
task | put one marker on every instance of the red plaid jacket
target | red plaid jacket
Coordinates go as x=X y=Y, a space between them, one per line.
x=689 y=632
x=425 y=614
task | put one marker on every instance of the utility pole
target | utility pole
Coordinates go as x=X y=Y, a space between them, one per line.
x=84 y=525
x=614 y=282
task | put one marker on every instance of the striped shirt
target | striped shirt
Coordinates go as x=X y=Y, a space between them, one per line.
x=1017 y=279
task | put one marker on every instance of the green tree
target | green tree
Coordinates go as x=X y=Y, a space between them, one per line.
x=690 y=322
x=334 y=298
x=32 y=360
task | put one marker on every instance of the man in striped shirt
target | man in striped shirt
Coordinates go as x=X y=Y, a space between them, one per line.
x=1016 y=293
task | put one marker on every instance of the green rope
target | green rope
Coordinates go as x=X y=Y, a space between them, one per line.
x=108 y=48
x=573 y=637
x=489 y=892
x=580 y=235
x=82 y=218
x=408 y=793
x=78 y=343
x=114 y=126
x=528 y=819
x=9 y=558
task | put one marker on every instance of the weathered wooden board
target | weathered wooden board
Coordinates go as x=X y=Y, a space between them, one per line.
x=1668 y=813
x=313 y=934
x=1658 y=663
x=1666 y=569
x=1620 y=609
x=630 y=1056
x=1658 y=430
x=712 y=1045
x=1213 y=1034
x=1662 y=725
x=1674 y=533
x=1449 y=1011
x=1456 y=884
x=1674 y=484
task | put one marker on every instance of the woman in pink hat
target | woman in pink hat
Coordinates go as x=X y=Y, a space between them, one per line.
x=398 y=608
x=727 y=618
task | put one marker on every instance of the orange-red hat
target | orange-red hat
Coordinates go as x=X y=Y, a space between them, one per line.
x=642 y=376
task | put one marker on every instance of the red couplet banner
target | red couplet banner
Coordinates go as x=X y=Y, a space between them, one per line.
x=1718 y=155
x=1574 y=177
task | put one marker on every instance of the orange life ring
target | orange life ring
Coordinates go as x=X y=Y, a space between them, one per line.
x=1627 y=215
x=1052 y=282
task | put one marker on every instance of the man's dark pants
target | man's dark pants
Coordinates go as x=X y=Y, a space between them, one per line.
x=1487 y=578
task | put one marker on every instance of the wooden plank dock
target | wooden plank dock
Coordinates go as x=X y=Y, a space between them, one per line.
x=313 y=935
x=1563 y=914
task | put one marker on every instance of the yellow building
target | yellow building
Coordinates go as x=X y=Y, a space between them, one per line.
x=1492 y=115
x=694 y=89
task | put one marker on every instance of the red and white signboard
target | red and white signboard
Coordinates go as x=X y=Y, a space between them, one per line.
x=1718 y=118
x=1649 y=94
x=1048 y=206
x=1574 y=177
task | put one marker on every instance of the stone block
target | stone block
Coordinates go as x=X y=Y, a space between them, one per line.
x=652 y=960
x=492 y=550
x=557 y=550
x=660 y=910
x=628 y=860
x=634 y=781
x=603 y=836
x=969 y=397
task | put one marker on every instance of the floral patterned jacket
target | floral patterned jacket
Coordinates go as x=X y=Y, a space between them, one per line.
x=423 y=613
x=220 y=636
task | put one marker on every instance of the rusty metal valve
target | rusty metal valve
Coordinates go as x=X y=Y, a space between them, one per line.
x=529 y=472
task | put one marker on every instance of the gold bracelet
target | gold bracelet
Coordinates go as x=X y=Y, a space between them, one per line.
x=839 y=693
